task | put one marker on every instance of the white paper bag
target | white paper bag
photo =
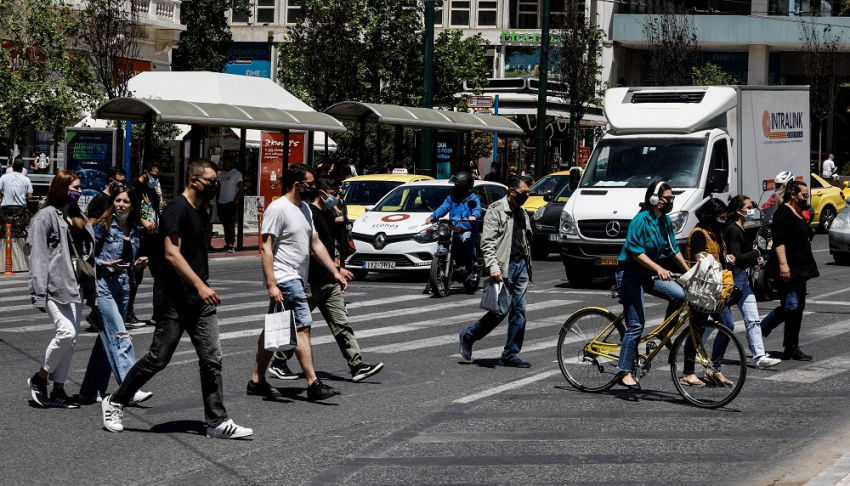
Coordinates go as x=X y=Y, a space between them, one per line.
x=495 y=297
x=280 y=328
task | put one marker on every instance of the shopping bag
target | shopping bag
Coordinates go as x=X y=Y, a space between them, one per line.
x=280 y=327
x=495 y=297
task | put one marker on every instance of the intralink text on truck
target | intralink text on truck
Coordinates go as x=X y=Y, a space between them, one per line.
x=706 y=142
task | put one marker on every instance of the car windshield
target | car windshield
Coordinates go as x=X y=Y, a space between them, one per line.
x=564 y=195
x=635 y=162
x=366 y=193
x=549 y=185
x=414 y=199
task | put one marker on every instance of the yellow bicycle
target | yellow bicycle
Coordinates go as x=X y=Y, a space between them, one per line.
x=589 y=349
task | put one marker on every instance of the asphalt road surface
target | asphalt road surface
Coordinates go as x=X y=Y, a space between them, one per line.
x=430 y=417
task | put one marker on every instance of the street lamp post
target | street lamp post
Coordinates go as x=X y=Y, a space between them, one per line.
x=426 y=163
x=540 y=159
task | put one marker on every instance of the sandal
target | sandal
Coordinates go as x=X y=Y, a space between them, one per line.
x=717 y=378
x=691 y=380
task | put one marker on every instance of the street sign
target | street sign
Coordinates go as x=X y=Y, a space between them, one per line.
x=479 y=101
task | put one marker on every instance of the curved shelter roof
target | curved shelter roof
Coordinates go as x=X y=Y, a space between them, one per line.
x=423 y=118
x=216 y=114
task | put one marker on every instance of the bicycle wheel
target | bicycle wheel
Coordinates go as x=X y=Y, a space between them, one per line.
x=583 y=368
x=716 y=349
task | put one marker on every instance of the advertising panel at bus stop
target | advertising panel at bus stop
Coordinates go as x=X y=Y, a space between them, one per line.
x=271 y=162
x=91 y=152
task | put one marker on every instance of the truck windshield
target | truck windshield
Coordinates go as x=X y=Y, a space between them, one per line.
x=636 y=162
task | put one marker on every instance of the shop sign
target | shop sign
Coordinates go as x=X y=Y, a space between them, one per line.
x=479 y=101
x=249 y=59
x=271 y=162
x=90 y=152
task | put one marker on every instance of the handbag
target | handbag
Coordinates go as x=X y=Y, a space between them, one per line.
x=280 y=332
x=495 y=297
x=83 y=270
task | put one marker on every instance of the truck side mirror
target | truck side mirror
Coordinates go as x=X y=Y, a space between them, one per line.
x=575 y=178
x=720 y=181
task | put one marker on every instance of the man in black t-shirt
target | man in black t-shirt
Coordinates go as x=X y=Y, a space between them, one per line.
x=183 y=302
x=150 y=244
x=324 y=292
x=116 y=177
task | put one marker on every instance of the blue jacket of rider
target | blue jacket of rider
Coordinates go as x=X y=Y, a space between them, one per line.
x=457 y=211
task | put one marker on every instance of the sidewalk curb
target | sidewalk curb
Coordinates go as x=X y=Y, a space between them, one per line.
x=836 y=475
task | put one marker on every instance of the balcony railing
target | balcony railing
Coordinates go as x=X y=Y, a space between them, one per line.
x=159 y=11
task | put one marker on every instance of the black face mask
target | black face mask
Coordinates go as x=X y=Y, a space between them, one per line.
x=208 y=191
x=459 y=193
x=309 y=194
x=520 y=198
x=666 y=208
x=804 y=204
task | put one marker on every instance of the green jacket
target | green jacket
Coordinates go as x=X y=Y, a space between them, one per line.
x=496 y=237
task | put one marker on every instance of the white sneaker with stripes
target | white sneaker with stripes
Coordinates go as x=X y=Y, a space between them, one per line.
x=112 y=413
x=229 y=430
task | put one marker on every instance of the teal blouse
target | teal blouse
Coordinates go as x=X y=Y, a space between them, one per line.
x=651 y=236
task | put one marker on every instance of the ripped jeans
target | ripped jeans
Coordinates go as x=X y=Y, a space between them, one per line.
x=113 y=350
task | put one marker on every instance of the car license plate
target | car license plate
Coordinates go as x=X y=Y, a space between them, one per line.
x=379 y=265
x=607 y=261
x=553 y=237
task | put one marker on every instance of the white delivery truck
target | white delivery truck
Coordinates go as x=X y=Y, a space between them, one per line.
x=716 y=141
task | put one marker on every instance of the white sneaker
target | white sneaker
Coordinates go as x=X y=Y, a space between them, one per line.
x=139 y=397
x=228 y=430
x=112 y=413
x=766 y=362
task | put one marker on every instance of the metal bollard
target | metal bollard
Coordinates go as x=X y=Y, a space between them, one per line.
x=259 y=231
x=8 y=250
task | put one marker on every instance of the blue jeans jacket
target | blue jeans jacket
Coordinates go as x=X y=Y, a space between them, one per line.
x=109 y=244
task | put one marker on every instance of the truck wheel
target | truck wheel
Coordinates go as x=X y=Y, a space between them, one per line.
x=826 y=218
x=579 y=274
x=761 y=287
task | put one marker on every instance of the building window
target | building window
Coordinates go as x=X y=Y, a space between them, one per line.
x=459 y=13
x=486 y=12
x=265 y=11
x=560 y=8
x=439 y=19
x=526 y=16
x=293 y=11
x=240 y=17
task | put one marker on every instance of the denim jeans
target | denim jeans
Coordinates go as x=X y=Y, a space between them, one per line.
x=60 y=351
x=749 y=310
x=792 y=303
x=200 y=322
x=294 y=291
x=517 y=283
x=718 y=348
x=113 y=349
x=632 y=282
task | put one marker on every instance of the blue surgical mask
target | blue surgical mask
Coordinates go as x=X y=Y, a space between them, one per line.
x=152 y=182
x=119 y=217
x=751 y=215
x=331 y=202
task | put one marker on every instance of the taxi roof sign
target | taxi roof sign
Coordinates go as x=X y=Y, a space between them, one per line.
x=399 y=171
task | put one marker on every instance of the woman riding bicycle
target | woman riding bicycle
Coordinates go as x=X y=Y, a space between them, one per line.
x=650 y=238
x=707 y=239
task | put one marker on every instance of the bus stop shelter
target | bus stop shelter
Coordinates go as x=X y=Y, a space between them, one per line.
x=419 y=118
x=149 y=111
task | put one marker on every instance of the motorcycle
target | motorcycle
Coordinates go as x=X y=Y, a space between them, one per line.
x=449 y=263
x=762 y=284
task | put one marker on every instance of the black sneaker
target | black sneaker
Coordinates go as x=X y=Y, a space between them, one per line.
x=60 y=399
x=92 y=325
x=797 y=354
x=427 y=289
x=38 y=390
x=363 y=371
x=514 y=362
x=230 y=249
x=320 y=391
x=281 y=371
x=263 y=389
x=132 y=319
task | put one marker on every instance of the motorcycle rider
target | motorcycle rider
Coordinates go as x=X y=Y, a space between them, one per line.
x=457 y=206
x=770 y=206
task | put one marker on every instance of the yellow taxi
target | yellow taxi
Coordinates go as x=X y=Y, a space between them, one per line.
x=827 y=202
x=366 y=190
x=549 y=185
x=846 y=191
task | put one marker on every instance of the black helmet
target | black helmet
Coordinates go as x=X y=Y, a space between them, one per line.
x=462 y=180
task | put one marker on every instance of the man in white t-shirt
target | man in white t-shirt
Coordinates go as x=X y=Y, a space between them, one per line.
x=289 y=238
x=829 y=170
x=15 y=187
x=229 y=195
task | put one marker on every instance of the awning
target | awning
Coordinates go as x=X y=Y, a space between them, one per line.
x=216 y=114
x=422 y=118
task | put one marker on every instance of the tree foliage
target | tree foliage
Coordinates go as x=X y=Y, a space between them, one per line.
x=673 y=47
x=458 y=59
x=712 y=75
x=111 y=38
x=578 y=66
x=43 y=84
x=821 y=65
x=203 y=46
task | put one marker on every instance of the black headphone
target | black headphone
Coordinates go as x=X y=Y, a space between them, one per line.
x=653 y=199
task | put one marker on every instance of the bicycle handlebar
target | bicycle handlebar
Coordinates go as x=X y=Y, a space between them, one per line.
x=673 y=276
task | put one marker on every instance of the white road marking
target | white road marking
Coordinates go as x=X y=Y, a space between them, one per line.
x=815 y=371
x=506 y=387
x=839 y=291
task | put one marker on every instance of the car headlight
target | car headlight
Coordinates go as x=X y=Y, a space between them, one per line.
x=568 y=225
x=679 y=219
x=427 y=235
x=838 y=223
x=539 y=213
